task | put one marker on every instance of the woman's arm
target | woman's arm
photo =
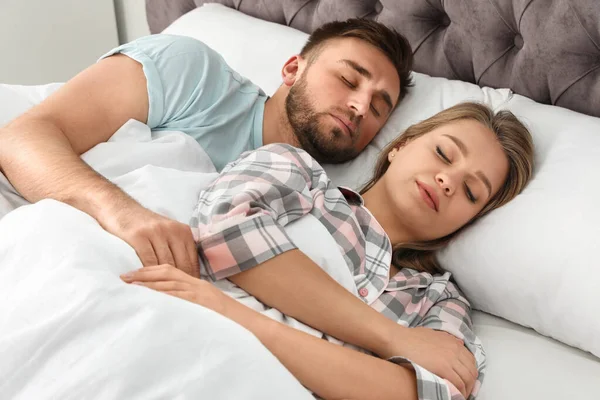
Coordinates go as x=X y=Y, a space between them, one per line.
x=329 y=370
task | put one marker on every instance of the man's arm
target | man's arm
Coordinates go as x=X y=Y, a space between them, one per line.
x=39 y=154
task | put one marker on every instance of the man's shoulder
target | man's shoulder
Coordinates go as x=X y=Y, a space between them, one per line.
x=171 y=45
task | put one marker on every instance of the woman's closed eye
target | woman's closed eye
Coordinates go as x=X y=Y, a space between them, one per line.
x=442 y=155
x=468 y=192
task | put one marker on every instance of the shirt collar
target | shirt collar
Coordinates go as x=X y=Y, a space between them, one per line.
x=351 y=196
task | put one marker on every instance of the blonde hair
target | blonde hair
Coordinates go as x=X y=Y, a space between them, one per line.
x=517 y=144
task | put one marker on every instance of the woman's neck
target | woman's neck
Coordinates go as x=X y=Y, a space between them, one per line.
x=377 y=202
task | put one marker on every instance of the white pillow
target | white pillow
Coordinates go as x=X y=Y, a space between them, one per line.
x=533 y=261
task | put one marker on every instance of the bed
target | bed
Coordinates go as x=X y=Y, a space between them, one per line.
x=529 y=268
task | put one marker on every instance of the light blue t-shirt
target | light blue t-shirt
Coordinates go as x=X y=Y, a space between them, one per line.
x=191 y=89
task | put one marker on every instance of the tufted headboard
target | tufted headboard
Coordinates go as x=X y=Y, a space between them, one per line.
x=547 y=50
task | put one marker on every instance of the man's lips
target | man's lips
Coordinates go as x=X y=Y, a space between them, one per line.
x=429 y=195
x=345 y=124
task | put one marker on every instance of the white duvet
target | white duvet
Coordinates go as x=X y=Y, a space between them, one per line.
x=70 y=328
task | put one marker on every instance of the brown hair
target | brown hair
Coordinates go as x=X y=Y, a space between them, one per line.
x=517 y=144
x=395 y=46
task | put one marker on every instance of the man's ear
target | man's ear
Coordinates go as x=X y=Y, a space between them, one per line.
x=292 y=69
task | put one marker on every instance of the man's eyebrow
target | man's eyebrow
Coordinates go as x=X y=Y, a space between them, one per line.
x=359 y=68
x=465 y=152
x=367 y=74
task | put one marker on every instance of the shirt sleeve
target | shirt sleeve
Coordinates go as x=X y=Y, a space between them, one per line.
x=450 y=314
x=183 y=75
x=239 y=220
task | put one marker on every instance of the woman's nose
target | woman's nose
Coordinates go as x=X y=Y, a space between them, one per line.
x=445 y=183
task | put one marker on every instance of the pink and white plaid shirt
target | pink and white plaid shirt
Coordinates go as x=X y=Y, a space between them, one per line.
x=239 y=223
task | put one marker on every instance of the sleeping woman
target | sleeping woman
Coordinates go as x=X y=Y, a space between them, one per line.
x=409 y=322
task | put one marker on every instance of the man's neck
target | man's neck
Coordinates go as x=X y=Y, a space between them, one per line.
x=276 y=126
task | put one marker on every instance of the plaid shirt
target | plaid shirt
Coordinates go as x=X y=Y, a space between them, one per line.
x=239 y=223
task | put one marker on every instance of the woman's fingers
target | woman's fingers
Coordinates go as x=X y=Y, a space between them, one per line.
x=153 y=273
x=164 y=286
x=458 y=382
x=468 y=360
x=466 y=377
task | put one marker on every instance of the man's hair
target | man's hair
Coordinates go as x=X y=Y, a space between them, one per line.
x=395 y=46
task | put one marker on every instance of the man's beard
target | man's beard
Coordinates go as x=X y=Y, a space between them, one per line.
x=326 y=147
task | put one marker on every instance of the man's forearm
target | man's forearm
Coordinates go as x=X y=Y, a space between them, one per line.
x=296 y=286
x=40 y=163
x=331 y=371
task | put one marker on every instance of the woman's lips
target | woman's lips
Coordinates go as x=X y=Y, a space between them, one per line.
x=429 y=196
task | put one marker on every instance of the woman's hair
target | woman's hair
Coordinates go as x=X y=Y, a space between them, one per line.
x=517 y=144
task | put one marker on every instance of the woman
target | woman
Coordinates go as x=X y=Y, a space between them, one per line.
x=429 y=184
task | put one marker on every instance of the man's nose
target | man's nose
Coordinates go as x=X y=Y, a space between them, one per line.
x=360 y=103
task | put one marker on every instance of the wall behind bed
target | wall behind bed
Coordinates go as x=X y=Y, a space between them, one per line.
x=548 y=50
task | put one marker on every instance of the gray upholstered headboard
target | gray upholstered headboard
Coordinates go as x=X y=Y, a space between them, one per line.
x=548 y=50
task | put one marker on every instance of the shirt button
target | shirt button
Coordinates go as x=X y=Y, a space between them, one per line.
x=363 y=292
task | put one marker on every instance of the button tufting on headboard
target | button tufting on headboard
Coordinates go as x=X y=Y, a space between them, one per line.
x=518 y=41
x=445 y=22
x=548 y=50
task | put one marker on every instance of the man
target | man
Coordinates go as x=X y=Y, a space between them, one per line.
x=335 y=96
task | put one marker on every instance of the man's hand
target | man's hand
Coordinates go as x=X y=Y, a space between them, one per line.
x=156 y=239
x=438 y=352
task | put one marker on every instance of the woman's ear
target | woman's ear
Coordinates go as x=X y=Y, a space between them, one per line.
x=291 y=70
x=392 y=154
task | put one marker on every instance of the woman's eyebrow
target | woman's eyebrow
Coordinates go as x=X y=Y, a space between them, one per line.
x=465 y=152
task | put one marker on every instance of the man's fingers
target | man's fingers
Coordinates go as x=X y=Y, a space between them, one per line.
x=162 y=251
x=180 y=255
x=192 y=252
x=145 y=252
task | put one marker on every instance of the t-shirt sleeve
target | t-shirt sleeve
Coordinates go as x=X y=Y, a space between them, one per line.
x=181 y=74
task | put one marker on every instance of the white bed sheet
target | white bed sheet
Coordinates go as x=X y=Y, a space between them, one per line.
x=524 y=365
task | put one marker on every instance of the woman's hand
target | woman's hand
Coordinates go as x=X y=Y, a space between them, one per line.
x=170 y=280
x=439 y=352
